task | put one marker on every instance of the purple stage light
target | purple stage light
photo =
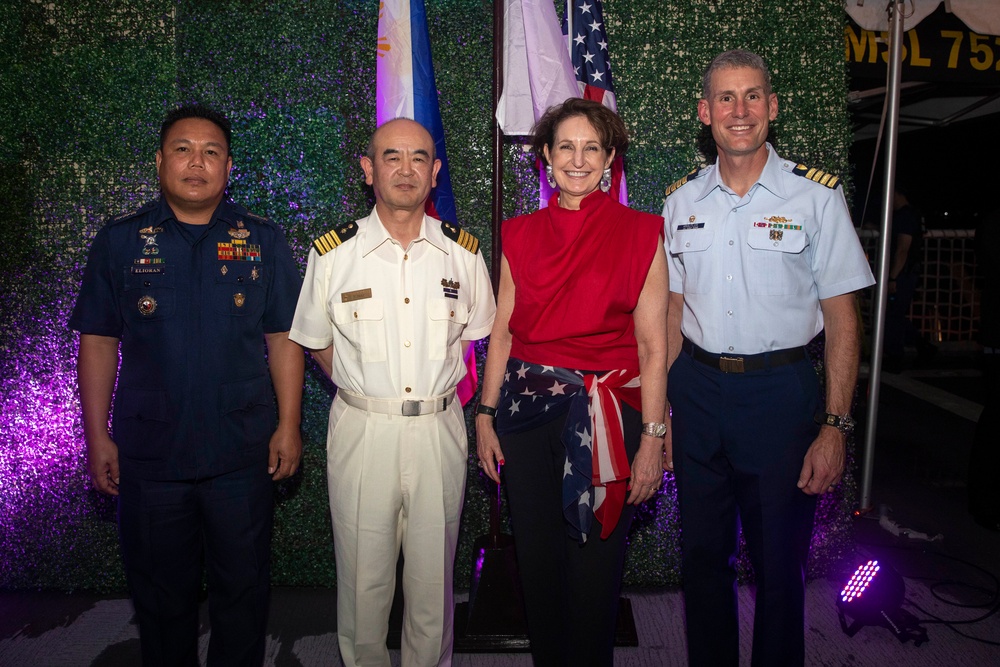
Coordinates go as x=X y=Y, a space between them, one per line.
x=873 y=596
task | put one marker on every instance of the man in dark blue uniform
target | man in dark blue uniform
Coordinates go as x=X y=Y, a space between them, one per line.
x=191 y=287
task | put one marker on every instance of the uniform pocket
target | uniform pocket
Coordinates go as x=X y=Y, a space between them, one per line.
x=142 y=428
x=775 y=261
x=448 y=318
x=247 y=412
x=692 y=246
x=238 y=295
x=149 y=293
x=362 y=322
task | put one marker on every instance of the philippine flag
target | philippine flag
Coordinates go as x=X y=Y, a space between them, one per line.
x=405 y=86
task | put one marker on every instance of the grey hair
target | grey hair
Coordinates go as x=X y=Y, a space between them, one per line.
x=735 y=59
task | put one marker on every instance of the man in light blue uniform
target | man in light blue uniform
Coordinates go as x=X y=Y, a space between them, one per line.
x=763 y=256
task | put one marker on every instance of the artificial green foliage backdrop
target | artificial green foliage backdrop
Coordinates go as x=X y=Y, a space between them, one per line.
x=84 y=85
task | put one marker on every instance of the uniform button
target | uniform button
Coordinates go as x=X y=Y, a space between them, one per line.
x=406 y=256
x=406 y=343
x=145 y=283
x=250 y=406
x=730 y=242
x=729 y=277
x=355 y=314
x=452 y=314
x=775 y=244
x=240 y=279
x=406 y=300
x=687 y=245
x=730 y=348
x=407 y=390
x=729 y=312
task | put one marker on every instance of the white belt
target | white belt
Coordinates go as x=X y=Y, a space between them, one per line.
x=394 y=406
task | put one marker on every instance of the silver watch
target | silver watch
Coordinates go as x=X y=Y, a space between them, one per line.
x=843 y=423
x=654 y=429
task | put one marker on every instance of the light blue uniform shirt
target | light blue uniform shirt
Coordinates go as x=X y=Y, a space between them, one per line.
x=754 y=269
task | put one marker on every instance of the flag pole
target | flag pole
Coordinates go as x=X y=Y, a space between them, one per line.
x=497 y=191
x=569 y=28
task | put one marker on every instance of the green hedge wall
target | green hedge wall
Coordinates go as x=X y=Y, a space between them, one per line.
x=85 y=84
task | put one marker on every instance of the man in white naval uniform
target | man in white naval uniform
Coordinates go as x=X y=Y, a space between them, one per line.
x=388 y=304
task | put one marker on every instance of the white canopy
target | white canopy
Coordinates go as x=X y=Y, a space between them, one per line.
x=983 y=16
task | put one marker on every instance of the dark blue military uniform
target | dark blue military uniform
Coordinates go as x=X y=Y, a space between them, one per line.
x=193 y=415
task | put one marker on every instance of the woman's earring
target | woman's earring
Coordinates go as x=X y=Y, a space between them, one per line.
x=606 y=180
x=549 y=177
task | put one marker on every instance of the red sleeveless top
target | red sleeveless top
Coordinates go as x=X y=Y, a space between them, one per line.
x=577 y=278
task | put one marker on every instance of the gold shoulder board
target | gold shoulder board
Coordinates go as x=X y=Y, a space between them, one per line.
x=334 y=238
x=817 y=175
x=676 y=184
x=461 y=237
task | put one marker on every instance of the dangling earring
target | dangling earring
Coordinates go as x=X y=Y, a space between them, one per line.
x=606 y=180
x=549 y=177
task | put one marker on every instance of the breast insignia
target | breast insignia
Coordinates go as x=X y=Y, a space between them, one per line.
x=676 y=184
x=335 y=237
x=461 y=237
x=817 y=175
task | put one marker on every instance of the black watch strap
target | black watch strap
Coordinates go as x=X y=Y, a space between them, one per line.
x=843 y=423
x=486 y=410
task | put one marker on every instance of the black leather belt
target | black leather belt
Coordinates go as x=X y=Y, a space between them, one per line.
x=731 y=363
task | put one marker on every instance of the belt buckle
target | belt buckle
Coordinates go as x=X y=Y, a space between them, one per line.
x=731 y=364
x=411 y=408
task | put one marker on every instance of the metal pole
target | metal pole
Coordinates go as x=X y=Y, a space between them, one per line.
x=497 y=191
x=569 y=28
x=881 y=293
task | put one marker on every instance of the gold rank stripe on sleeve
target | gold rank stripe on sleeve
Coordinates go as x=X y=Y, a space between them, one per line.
x=817 y=175
x=461 y=237
x=678 y=183
x=334 y=238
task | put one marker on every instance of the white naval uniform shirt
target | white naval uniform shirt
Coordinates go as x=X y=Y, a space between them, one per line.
x=753 y=269
x=395 y=316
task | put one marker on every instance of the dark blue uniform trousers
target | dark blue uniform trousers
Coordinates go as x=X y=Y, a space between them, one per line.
x=738 y=444
x=167 y=530
x=570 y=590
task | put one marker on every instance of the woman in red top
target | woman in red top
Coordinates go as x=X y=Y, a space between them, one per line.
x=576 y=378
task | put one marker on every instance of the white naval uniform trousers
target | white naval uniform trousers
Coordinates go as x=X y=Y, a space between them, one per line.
x=395 y=481
x=396 y=318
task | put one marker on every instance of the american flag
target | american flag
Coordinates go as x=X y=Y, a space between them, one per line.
x=596 y=470
x=589 y=53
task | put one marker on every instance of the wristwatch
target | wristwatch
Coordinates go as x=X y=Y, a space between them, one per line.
x=843 y=423
x=654 y=429
x=486 y=410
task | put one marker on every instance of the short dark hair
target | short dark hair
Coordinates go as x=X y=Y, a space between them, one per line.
x=732 y=60
x=197 y=111
x=607 y=123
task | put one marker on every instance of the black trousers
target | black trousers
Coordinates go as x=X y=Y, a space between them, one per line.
x=739 y=440
x=167 y=530
x=570 y=590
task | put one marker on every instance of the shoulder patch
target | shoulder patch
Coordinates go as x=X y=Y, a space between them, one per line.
x=121 y=217
x=335 y=237
x=460 y=236
x=258 y=218
x=676 y=184
x=817 y=175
